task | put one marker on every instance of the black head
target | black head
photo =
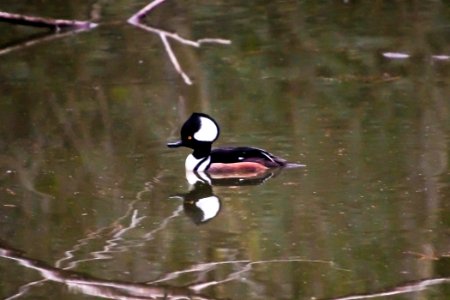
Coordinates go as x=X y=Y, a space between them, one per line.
x=200 y=129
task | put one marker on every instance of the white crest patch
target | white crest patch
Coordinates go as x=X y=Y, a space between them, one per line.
x=208 y=131
x=210 y=206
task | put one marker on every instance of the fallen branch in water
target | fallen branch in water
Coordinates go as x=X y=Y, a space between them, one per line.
x=408 y=288
x=137 y=17
x=55 y=24
x=60 y=27
x=95 y=286
x=136 y=20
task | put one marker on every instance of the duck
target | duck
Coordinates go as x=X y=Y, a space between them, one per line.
x=200 y=131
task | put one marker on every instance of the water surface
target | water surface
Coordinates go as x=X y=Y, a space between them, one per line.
x=91 y=202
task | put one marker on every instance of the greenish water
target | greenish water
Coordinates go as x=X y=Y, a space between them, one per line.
x=87 y=186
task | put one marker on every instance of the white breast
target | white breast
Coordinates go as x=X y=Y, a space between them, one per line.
x=194 y=177
x=195 y=164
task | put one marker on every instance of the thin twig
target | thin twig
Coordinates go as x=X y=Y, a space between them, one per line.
x=174 y=59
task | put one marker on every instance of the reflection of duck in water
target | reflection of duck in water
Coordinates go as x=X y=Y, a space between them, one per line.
x=200 y=131
x=200 y=203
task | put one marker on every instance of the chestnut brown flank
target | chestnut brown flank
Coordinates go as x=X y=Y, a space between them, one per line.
x=237 y=168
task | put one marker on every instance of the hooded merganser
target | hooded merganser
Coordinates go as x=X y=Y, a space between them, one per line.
x=200 y=131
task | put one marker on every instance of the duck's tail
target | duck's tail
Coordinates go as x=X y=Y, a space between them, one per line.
x=293 y=165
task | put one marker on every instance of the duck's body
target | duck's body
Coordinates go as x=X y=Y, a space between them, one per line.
x=243 y=159
x=200 y=131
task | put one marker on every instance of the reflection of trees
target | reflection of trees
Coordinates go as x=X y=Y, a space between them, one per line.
x=335 y=88
x=355 y=116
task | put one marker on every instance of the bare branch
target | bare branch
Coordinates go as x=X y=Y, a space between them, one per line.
x=71 y=26
x=413 y=287
x=175 y=36
x=174 y=59
x=97 y=287
x=136 y=20
x=137 y=17
x=213 y=41
x=55 y=24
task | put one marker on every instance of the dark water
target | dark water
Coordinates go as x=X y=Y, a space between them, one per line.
x=356 y=90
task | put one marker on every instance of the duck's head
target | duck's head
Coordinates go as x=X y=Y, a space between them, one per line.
x=199 y=129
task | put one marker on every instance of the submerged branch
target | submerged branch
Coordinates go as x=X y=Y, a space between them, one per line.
x=55 y=24
x=174 y=59
x=136 y=20
x=137 y=17
x=98 y=287
x=70 y=27
x=412 y=287
x=178 y=38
